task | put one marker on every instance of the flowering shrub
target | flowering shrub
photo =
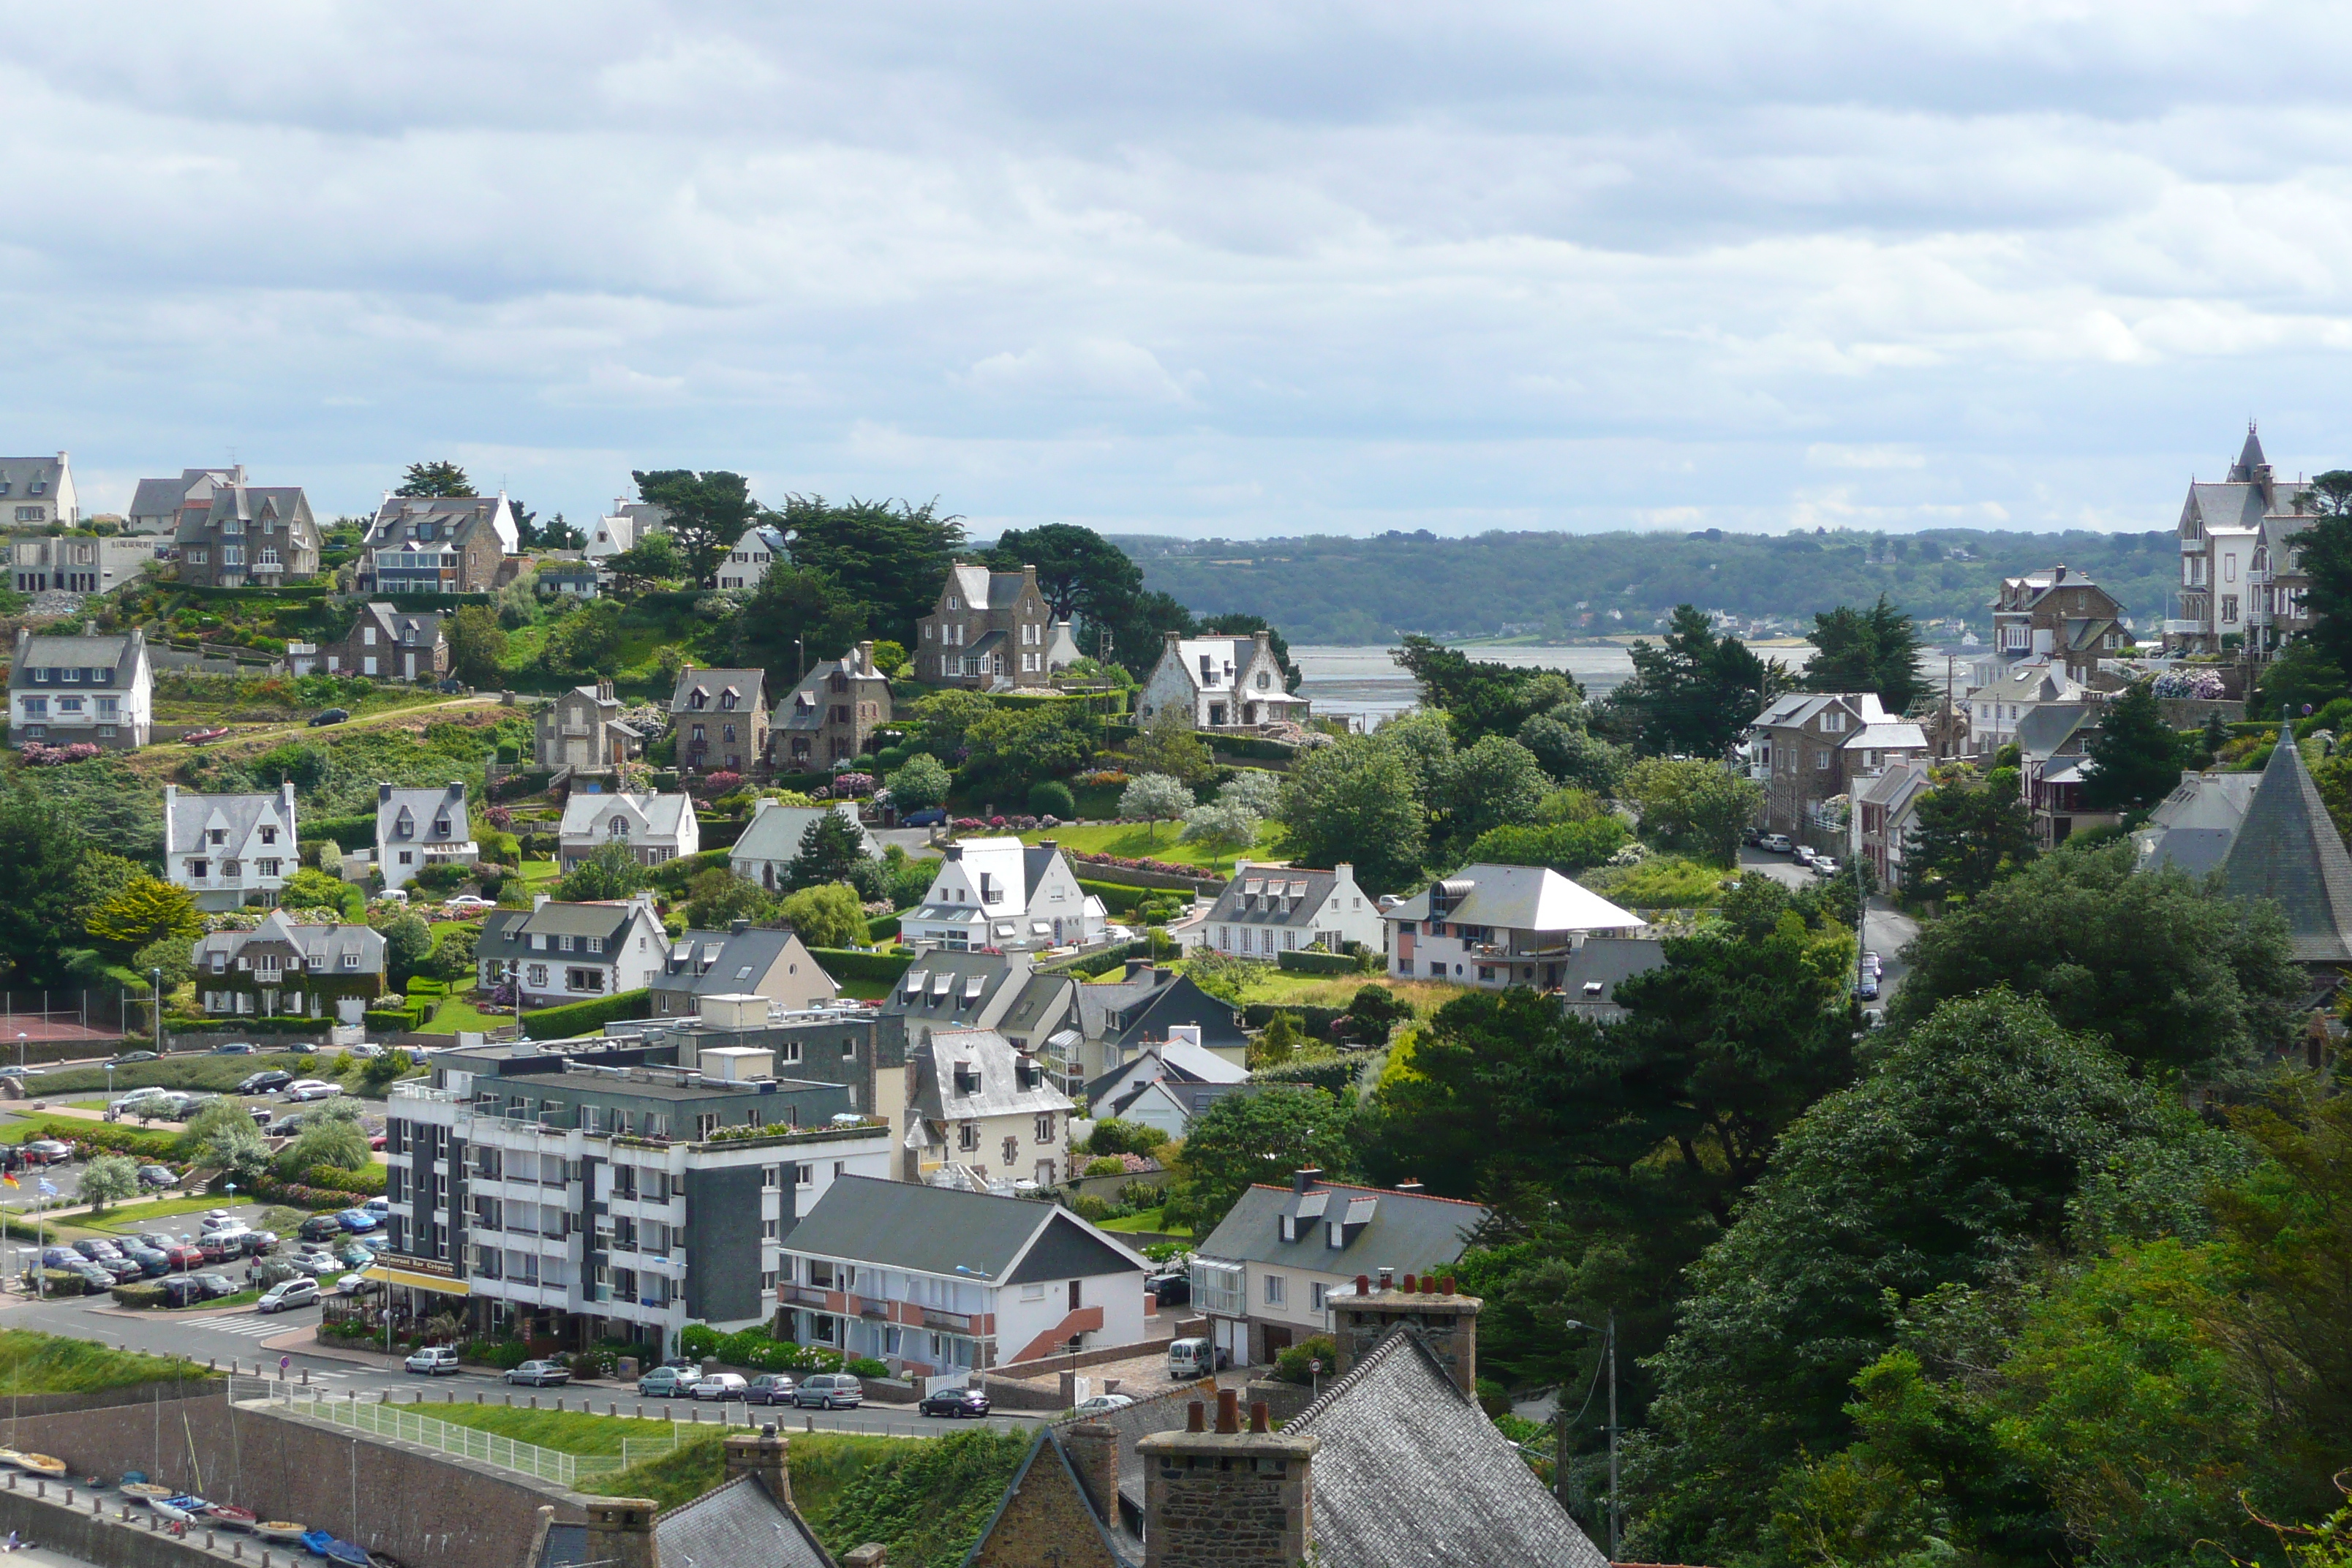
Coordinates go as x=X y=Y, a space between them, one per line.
x=500 y=818
x=2203 y=685
x=848 y=786
x=37 y=755
x=1104 y=778
x=717 y=783
x=998 y=823
x=1164 y=867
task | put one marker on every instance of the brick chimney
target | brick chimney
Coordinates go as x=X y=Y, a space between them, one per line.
x=621 y=1532
x=1093 y=1447
x=762 y=1454
x=1448 y=1322
x=1227 y=1497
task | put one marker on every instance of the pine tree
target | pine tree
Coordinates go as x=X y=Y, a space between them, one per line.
x=2135 y=757
x=829 y=848
x=1967 y=835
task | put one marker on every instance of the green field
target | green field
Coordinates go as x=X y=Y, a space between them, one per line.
x=44 y=1364
x=1145 y=1220
x=1143 y=842
x=128 y=1218
x=457 y=1013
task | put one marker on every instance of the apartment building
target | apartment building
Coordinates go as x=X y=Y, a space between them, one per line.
x=76 y=563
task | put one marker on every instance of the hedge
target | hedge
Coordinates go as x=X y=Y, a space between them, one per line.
x=1307 y=961
x=1250 y=746
x=245 y=1024
x=672 y=876
x=110 y=1135
x=1118 y=897
x=268 y=1189
x=368 y=1179
x=284 y=591
x=348 y=832
x=854 y=963
x=1316 y=1020
x=585 y=1017
x=881 y=928
x=1339 y=1077
x=719 y=832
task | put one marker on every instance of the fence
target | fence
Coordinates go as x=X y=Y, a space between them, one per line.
x=92 y=1015
x=407 y=1425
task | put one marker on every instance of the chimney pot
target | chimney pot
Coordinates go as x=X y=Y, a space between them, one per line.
x=1387 y=1279
x=1196 y=1417
x=1363 y=1285
x=1409 y=1288
x=1261 y=1419
x=1446 y=1286
x=1229 y=1410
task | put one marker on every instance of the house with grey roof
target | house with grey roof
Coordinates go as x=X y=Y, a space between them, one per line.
x=1151 y=1088
x=159 y=506
x=626 y=526
x=419 y=827
x=1001 y=893
x=983 y=1114
x=2058 y=616
x=1883 y=811
x=281 y=970
x=1221 y=684
x=2053 y=763
x=229 y=851
x=384 y=643
x=1807 y=749
x=439 y=544
x=1267 y=1274
x=1498 y=926
x=36 y=493
x=771 y=841
x=1589 y=976
x=934 y=1280
x=653 y=828
x=582 y=731
x=748 y=558
x=720 y=717
x=259 y=535
x=2242 y=575
x=2193 y=827
x=64 y=688
x=553 y=953
x=2288 y=850
x=1121 y=1019
x=831 y=716
x=743 y=961
x=1267 y=910
x=987 y=631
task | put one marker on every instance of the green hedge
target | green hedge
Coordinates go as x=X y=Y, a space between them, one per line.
x=115 y=1136
x=1309 y=963
x=245 y=1024
x=1248 y=746
x=672 y=876
x=1338 y=1076
x=1318 y=1021
x=719 y=832
x=399 y=1020
x=1118 y=898
x=286 y=591
x=368 y=1179
x=585 y=1017
x=882 y=928
x=348 y=832
x=851 y=964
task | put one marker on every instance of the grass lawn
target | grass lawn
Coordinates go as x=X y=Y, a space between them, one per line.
x=33 y=1363
x=1141 y=841
x=184 y=1071
x=566 y=1431
x=1288 y=987
x=127 y=1217
x=457 y=1013
x=1145 y=1220
x=534 y=872
x=865 y=990
x=824 y=1463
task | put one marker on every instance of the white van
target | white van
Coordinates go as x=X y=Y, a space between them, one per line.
x=1190 y=1358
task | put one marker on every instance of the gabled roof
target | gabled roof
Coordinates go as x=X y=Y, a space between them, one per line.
x=249 y=503
x=1047 y=1468
x=1799 y=708
x=191 y=818
x=965 y=1075
x=1178 y=1060
x=1517 y=898
x=1404 y=1231
x=1589 y=980
x=2288 y=850
x=125 y=657
x=941 y=984
x=396 y=625
x=320 y=945
x=425 y=807
x=979 y=588
x=737 y=1522
x=507 y=928
x=1274 y=896
x=722 y=964
x=931 y=1230
x=653 y=817
x=2194 y=826
x=1153 y=1011
x=775 y=829
x=2054 y=729
x=747 y=685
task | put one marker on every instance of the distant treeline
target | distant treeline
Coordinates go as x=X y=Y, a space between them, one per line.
x=1336 y=590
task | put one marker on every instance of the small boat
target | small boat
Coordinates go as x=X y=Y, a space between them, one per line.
x=145 y=1491
x=279 y=1529
x=12 y=1458
x=42 y=1465
x=351 y=1556
x=181 y=1508
x=228 y=1516
x=316 y=1541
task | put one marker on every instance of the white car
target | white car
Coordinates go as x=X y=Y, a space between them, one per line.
x=312 y=1088
x=470 y=904
x=1804 y=854
x=364 y=1051
x=1101 y=1405
x=288 y=1294
x=221 y=1219
x=1824 y=867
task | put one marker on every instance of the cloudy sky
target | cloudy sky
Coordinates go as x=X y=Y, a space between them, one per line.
x=1202 y=268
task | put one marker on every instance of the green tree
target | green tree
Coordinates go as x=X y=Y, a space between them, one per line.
x=1277 y=1042
x=1698 y=806
x=2302 y=676
x=1876 y=649
x=2327 y=547
x=890 y=557
x=1356 y=800
x=1966 y=834
x=1482 y=697
x=1573 y=754
x=1568 y=847
x=1137 y=638
x=407 y=946
x=946 y=718
x=309 y=888
x=174 y=955
x=1257 y=790
x=718 y=898
x=1156 y=798
x=1008 y=748
x=1692 y=692
x=1245 y=1139
x=1170 y=745
x=796 y=617
x=706 y=513
x=654 y=559
x=587 y=641
x=832 y=846
x=1083 y=575
x=2179 y=978
x=453 y=955
x=1222 y=828
x=829 y=916
x=340 y=1144
x=143 y=911
x=923 y=782
x=2135 y=755
x=109 y=1179
x=476 y=646
x=208 y=1119
x=441 y=478
x=237 y=1152
x=1492 y=784
x=612 y=870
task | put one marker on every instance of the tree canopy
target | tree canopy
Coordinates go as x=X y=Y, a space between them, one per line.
x=1966 y=833
x=1693 y=691
x=1356 y=800
x=2134 y=756
x=889 y=556
x=705 y=513
x=437 y=478
x=1876 y=649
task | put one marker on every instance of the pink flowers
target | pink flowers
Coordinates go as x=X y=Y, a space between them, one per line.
x=37 y=755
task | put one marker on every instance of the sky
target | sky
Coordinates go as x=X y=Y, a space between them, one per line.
x=1210 y=269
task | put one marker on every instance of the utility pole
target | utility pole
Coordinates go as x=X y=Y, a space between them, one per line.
x=1616 y=1513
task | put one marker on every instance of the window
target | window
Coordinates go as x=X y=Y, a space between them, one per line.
x=1046 y=1128
x=968 y=1137
x=1318 y=1296
x=804 y=1175
x=1275 y=1286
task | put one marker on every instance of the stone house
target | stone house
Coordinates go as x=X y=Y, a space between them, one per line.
x=280 y=969
x=720 y=719
x=831 y=716
x=256 y=535
x=1221 y=683
x=582 y=730
x=1808 y=749
x=229 y=851
x=2059 y=616
x=989 y=630
x=92 y=689
x=159 y=506
x=439 y=544
x=1884 y=810
x=383 y=644
x=983 y=1114
x=2241 y=573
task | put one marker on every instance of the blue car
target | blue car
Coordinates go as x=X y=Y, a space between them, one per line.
x=929 y=816
x=356 y=1220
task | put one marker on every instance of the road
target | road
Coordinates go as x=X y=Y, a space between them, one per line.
x=365 y=721
x=1885 y=929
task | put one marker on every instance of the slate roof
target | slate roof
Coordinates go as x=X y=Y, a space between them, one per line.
x=721 y=964
x=1151 y=1011
x=21 y=474
x=189 y=818
x=1798 y=708
x=931 y=1230
x=1274 y=896
x=654 y=818
x=395 y=624
x=750 y=686
x=804 y=706
x=2287 y=849
x=507 y=928
x=938 y=986
x=124 y=657
x=320 y=946
x=455 y=519
x=161 y=497
x=737 y=1523
x=2194 y=826
x=998 y=1089
x=246 y=503
x=774 y=831
x=1517 y=898
x=1404 y=1231
x=425 y=807
x=2250 y=457
x=2055 y=728
x=1589 y=980
x=1178 y=1060
x=981 y=589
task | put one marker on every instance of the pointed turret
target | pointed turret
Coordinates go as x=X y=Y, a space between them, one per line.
x=2287 y=849
x=2251 y=466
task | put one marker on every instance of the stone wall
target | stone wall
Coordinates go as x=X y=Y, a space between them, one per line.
x=111 y=1542
x=1225 y=1499
x=1046 y=1519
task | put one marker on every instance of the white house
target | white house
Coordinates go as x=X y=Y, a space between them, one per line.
x=983 y=1113
x=93 y=688
x=656 y=827
x=1267 y=910
x=229 y=849
x=772 y=839
x=934 y=1280
x=569 y=952
x=38 y=491
x=419 y=827
x=747 y=563
x=629 y=522
x=1221 y=683
x=1003 y=893
x=76 y=564
x=1497 y=926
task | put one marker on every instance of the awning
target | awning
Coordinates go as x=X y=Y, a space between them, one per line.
x=388 y=1275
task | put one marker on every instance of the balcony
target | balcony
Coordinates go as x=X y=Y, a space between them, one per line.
x=806 y=1296
x=2176 y=626
x=951 y=1322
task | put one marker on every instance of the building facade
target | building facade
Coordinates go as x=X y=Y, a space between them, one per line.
x=65 y=691
x=229 y=851
x=419 y=827
x=748 y=560
x=1270 y=910
x=76 y=563
x=720 y=719
x=281 y=970
x=438 y=544
x=36 y=493
x=582 y=730
x=159 y=506
x=2241 y=576
x=383 y=644
x=831 y=716
x=552 y=953
x=1222 y=683
x=984 y=1115
x=2058 y=616
x=1809 y=749
x=773 y=965
x=653 y=828
x=987 y=630
x=771 y=841
x=250 y=535
x=1498 y=926
x=1003 y=894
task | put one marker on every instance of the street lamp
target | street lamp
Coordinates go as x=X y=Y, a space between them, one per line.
x=158 y=977
x=1560 y=1462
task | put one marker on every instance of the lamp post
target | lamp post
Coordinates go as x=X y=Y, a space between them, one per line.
x=1559 y=1463
x=158 y=976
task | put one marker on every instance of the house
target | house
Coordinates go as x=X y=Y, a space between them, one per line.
x=989 y=630
x=629 y=522
x=419 y=827
x=582 y=730
x=983 y=1114
x=831 y=716
x=250 y=535
x=1222 y=683
x=721 y=720
x=159 y=506
x=748 y=1517
x=2242 y=573
x=748 y=560
x=1393 y=1462
x=36 y=493
x=1149 y=1087
x=771 y=841
x=2288 y=850
x=2193 y=827
x=933 y=1280
x=2059 y=616
x=1589 y=978
x=1807 y=749
x=1884 y=808
x=977 y=990
x=600 y=1195
x=1498 y=926
x=2000 y=705
x=383 y=644
x=655 y=828
x=1267 y=1276
x=1119 y=1019
x=1003 y=893
x=2053 y=760
x=438 y=544
x=74 y=563
x=229 y=851
x=567 y=577
x=90 y=688
x=281 y=970
x=741 y=960
x=1270 y=910
x=565 y=952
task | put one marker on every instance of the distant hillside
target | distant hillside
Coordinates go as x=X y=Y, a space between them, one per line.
x=1332 y=590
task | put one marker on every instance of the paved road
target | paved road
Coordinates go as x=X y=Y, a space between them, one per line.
x=1887 y=929
x=365 y=721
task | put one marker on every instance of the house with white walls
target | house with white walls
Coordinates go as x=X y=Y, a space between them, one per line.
x=1001 y=893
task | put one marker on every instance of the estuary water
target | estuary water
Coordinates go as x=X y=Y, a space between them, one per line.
x=1366 y=681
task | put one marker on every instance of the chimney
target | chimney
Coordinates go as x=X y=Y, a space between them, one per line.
x=1168 y=640
x=457 y=791
x=1448 y=1324
x=762 y=1454
x=1303 y=1180
x=1407 y=1185
x=866 y=657
x=738 y=927
x=384 y=795
x=603 y=690
x=621 y=1532
x=89 y=628
x=1136 y=967
x=537 y=902
x=1263 y=639
x=1232 y=1496
x=1093 y=1448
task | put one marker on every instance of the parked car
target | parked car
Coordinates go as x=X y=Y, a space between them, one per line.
x=93 y=1277
x=1868 y=988
x=541 y=1374
x=1825 y=866
x=319 y=1227
x=158 y=1177
x=269 y=1081
x=356 y=1220
x=353 y=1253
x=128 y=1057
x=356 y=1284
x=95 y=1248
x=929 y=816
x=153 y=1263
x=159 y=1240
x=433 y=1360
x=312 y=1088
x=720 y=1386
x=61 y=1257
x=1778 y=843
x=237 y=1049
x=769 y=1388
x=1171 y=1289
x=829 y=1391
x=1874 y=1018
x=291 y=1294
x=222 y=1246
x=257 y=1243
x=1189 y=1358
x=184 y=1256
x=328 y=716
x=48 y=1152
x=468 y=904
x=317 y=1264
x=954 y=1403
x=1871 y=964
x=669 y=1382
x=221 y=1219
x=1101 y=1405
x=1804 y=853
x=123 y=1269
x=378 y=1205
x=181 y=1290
x=216 y=1284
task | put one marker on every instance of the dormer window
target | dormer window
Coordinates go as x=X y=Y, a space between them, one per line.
x=440 y=827
x=619 y=827
x=404 y=825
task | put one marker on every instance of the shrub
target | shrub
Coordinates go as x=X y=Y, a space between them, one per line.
x=1052 y=798
x=585 y=1017
x=1305 y=960
x=1291 y=1364
x=1087 y=1207
x=1107 y=1165
x=866 y=1366
x=1112 y=1136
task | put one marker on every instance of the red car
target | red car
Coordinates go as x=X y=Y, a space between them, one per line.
x=198 y=737
x=186 y=1256
x=375 y=1142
